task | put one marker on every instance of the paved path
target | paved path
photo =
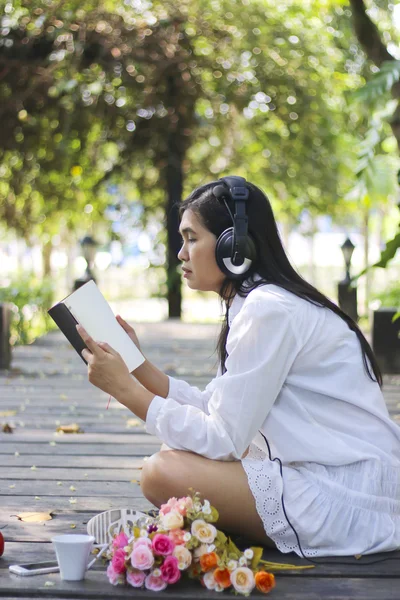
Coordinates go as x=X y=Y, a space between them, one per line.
x=77 y=475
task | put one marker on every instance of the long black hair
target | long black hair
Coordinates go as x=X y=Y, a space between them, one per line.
x=271 y=266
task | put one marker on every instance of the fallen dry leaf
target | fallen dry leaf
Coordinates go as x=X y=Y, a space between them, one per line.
x=73 y=428
x=133 y=423
x=6 y=428
x=73 y=526
x=72 y=500
x=34 y=517
x=8 y=413
x=72 y=488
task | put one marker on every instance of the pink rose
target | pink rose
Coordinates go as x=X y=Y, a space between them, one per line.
x=142 y=558
x=118 y=561
x=113 y=577
x=176 y=535
x=154 y=584
x=135 y=578
x=162 y=545
x=169 y=570
x=142 y=541
x=183 y=505
x=120 y=540
x=166 y=508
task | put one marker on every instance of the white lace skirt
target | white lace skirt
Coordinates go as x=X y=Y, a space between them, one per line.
x=336 y=511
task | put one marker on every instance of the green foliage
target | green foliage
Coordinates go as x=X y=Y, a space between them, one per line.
x=380 y=84
x=390 y=297
x=30 y=299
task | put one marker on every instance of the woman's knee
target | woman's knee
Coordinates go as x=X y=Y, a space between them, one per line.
x=156 y=476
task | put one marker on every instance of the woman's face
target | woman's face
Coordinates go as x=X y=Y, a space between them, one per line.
x=197 y=254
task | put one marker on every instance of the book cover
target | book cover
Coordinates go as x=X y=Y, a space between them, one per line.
x=88 y=307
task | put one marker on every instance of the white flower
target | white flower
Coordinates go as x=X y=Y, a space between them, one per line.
x=249 y=553
x=197 y=552
x=242 y=561
x=172 y=520
x=197 y=506
x=184 y=557
x=209 y=580
x=156 y=572
x=232 y=565
x=218 y=588
x=206 y=511
x=187 y=536
x=144 y=533
x=211 y=548
x=205 y=532
x=243 y=580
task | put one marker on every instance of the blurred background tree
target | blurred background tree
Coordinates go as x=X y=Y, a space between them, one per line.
x=150 y=99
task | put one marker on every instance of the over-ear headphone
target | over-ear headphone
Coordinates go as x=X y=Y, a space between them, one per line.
x=235 y=250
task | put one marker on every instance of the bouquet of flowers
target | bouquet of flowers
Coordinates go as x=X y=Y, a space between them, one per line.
x=156 y=551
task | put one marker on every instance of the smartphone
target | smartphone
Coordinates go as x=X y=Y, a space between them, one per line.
x=35 y=568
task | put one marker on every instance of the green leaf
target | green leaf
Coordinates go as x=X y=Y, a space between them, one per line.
x=258 y=552
x=379 y=84
x=389 y=252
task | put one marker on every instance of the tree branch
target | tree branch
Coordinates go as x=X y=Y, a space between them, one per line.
x=368 y=34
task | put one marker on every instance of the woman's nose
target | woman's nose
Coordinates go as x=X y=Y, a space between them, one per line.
x=182 y=253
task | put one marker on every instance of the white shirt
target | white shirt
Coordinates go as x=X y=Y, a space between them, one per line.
x=294 y=372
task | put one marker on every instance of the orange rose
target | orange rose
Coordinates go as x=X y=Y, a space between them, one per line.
x=208 y=561
x=223 y=577
x=264 y=581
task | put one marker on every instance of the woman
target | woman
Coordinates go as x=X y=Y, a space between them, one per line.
x=297 y=383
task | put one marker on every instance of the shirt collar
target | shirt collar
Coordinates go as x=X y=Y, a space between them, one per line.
x=238 y=301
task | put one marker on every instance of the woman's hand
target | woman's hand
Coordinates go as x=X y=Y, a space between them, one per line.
x=106 y=368
x=129 y=330
x=108 y=371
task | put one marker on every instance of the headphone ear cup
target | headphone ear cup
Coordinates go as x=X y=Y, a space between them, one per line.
x=223 y=255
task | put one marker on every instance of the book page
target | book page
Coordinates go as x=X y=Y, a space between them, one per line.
x=89 y=307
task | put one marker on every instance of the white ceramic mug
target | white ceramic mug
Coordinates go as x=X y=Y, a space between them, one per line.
x=72 y=551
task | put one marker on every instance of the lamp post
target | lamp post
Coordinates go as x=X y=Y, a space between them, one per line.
x=347 y=293
x=89 y=248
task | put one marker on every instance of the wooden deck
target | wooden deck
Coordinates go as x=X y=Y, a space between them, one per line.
x=78 y=475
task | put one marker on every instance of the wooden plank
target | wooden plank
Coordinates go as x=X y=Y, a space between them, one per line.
x=41 y=436
x=96 y=586
x=18 y=474
x=78 y=462
x=20 y=503
x=83 y=488
x=77 y=449
x=63 y=521
x=17 y=551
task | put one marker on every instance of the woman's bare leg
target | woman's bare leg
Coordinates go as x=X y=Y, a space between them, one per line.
x=172 y=472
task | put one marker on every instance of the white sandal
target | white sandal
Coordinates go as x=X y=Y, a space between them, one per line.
x=107 y=524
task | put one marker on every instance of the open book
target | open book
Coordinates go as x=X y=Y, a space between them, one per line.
x=88 y=307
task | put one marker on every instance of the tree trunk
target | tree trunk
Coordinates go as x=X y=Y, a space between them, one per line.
x=174 y=180
x=47 y=249
x=366 y=263
x=370 y=39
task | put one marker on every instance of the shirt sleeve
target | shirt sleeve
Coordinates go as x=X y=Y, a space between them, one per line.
x=262 y=346
x=184 y=393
